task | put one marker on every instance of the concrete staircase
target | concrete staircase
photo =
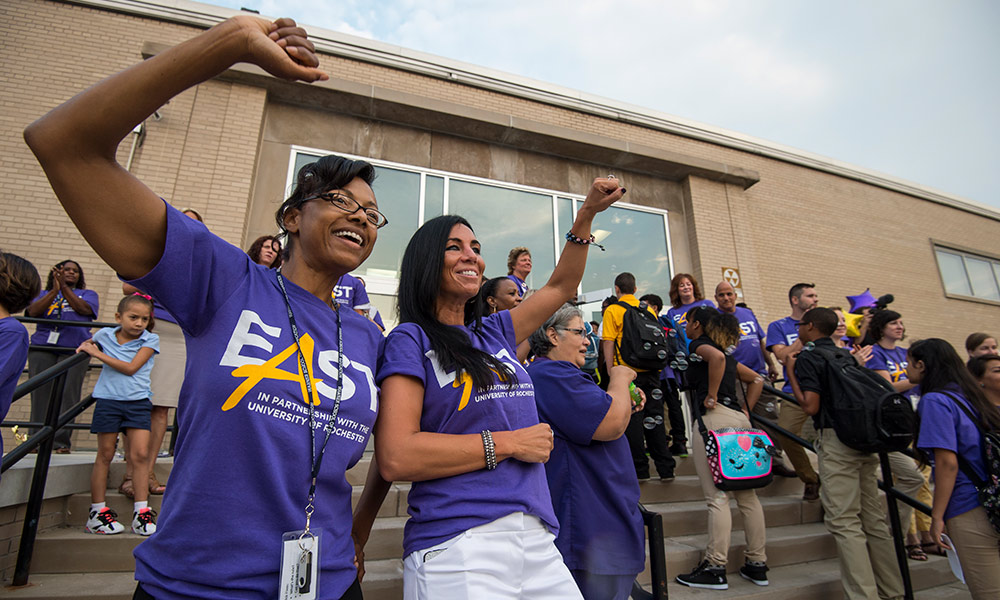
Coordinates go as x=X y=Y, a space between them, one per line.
x=69 y=563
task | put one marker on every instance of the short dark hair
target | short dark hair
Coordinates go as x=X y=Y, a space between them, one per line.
x=978 y=365
x=81 y=284
x=19 y=282
x=823 y=318
x=652 y=300
x=796 y=290
x=879 y=320
x=675 y=284
x=625 y=282
x=419 y=286
x=328 y=173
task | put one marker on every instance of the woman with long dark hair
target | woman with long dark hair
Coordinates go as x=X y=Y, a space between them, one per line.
x=948 y=391
x=65 y=298
x=714 y=375
x=19 y=283
x=458 y=419
x=273 y=367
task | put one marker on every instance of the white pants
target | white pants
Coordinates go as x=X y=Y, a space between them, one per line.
x=512 y=557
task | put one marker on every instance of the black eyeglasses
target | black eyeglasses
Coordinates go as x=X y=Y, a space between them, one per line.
x=350 y=205
x=579 y=332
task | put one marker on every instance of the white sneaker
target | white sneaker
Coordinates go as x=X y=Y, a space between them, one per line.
x=104 y=522
x=144 y=522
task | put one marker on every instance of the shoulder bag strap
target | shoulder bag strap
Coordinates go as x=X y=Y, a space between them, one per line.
x=963 y=463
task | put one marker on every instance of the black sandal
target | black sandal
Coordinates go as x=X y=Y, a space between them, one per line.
x=915 y=552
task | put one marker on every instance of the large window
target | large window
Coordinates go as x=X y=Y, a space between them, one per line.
x=504 y=216
x=966 y=274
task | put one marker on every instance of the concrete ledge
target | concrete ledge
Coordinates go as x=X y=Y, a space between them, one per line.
x=68 y=474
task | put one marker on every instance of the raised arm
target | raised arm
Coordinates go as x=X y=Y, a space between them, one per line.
x=532 y=312
x=77 y=141
x=616 y=421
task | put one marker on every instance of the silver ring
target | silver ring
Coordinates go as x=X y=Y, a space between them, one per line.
x=612 y=176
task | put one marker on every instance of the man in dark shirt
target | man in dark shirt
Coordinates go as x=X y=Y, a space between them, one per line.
x=852 y=509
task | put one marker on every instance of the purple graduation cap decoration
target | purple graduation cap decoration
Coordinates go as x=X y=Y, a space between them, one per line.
x=862 y=300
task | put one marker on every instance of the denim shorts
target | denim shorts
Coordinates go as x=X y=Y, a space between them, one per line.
x=113 y=416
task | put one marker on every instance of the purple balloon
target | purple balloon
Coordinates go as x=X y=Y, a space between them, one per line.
x=862 y=300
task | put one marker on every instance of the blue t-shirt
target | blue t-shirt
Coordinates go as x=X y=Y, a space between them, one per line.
x=350 y=292
x=13 y=355
x=748 y=350
x=594 y=490
x=442 y=508
x=946 y=426
x=893 y=361
x=242 y=458
x=783 y=331
x=112 y=383
x=60 y=308
x=678 y=316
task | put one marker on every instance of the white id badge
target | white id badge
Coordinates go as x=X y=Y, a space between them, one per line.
x=53 y=338
x=299 y=566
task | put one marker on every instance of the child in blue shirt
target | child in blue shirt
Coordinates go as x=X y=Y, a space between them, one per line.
x=123 y=404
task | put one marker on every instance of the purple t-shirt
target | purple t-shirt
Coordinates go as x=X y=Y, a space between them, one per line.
x=946 y=426
x=13 y=355
x=351 y=292
x=783 y=331
x=748 y=351
x=69 y=337
x=160 y=313
x=678 y=316
x=893 y=361
x=242 y=459
x=442 y=508
x=594 y=490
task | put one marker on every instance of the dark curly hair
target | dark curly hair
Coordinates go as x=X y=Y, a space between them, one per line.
x=81 y=284
x=19 y=282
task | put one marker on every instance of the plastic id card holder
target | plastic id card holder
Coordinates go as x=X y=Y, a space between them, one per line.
x=53 y=338
x=299 y=566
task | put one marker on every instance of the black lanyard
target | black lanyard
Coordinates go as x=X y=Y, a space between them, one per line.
x=331 y=424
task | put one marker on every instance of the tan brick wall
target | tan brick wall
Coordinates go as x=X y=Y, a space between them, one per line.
x=207 y=152
x=52 y=514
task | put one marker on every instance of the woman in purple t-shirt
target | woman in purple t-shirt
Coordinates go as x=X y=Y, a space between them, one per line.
x=946 y=432
x=65 y=298
x=19 y=283
x=458 y=419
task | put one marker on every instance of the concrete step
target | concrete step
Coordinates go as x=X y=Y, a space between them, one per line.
x=820 y=580
x=73 y=550
x=688 y=518
x=63 y=586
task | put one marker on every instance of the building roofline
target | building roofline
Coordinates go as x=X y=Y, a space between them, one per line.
x=372 y=51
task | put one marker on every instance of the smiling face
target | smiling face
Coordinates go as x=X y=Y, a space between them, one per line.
x=685 y=288
x=462 y=271
x=567 y=345
x=991 y=378
x=506 y=296
x=725 y=297
x=522 y=268
x=326 y=238
x=841 y=329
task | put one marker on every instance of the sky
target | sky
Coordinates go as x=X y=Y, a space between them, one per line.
x=909 y=88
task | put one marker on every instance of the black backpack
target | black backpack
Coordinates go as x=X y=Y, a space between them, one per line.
x=989 y=488
x=866 y=412
x=643 y=344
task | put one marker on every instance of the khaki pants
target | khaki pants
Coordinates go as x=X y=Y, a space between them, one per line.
x=720 y=520
x=978 y=547
x=792 y=418
x=907 y=479
x=853 y=514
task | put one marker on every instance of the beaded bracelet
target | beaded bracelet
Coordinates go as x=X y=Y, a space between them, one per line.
x=490 y=449
x=571 y=237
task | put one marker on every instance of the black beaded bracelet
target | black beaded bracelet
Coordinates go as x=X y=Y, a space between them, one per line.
x=571 y=237
x=490 y=449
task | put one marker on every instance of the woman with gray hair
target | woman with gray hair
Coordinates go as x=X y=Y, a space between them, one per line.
x=590 y=474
